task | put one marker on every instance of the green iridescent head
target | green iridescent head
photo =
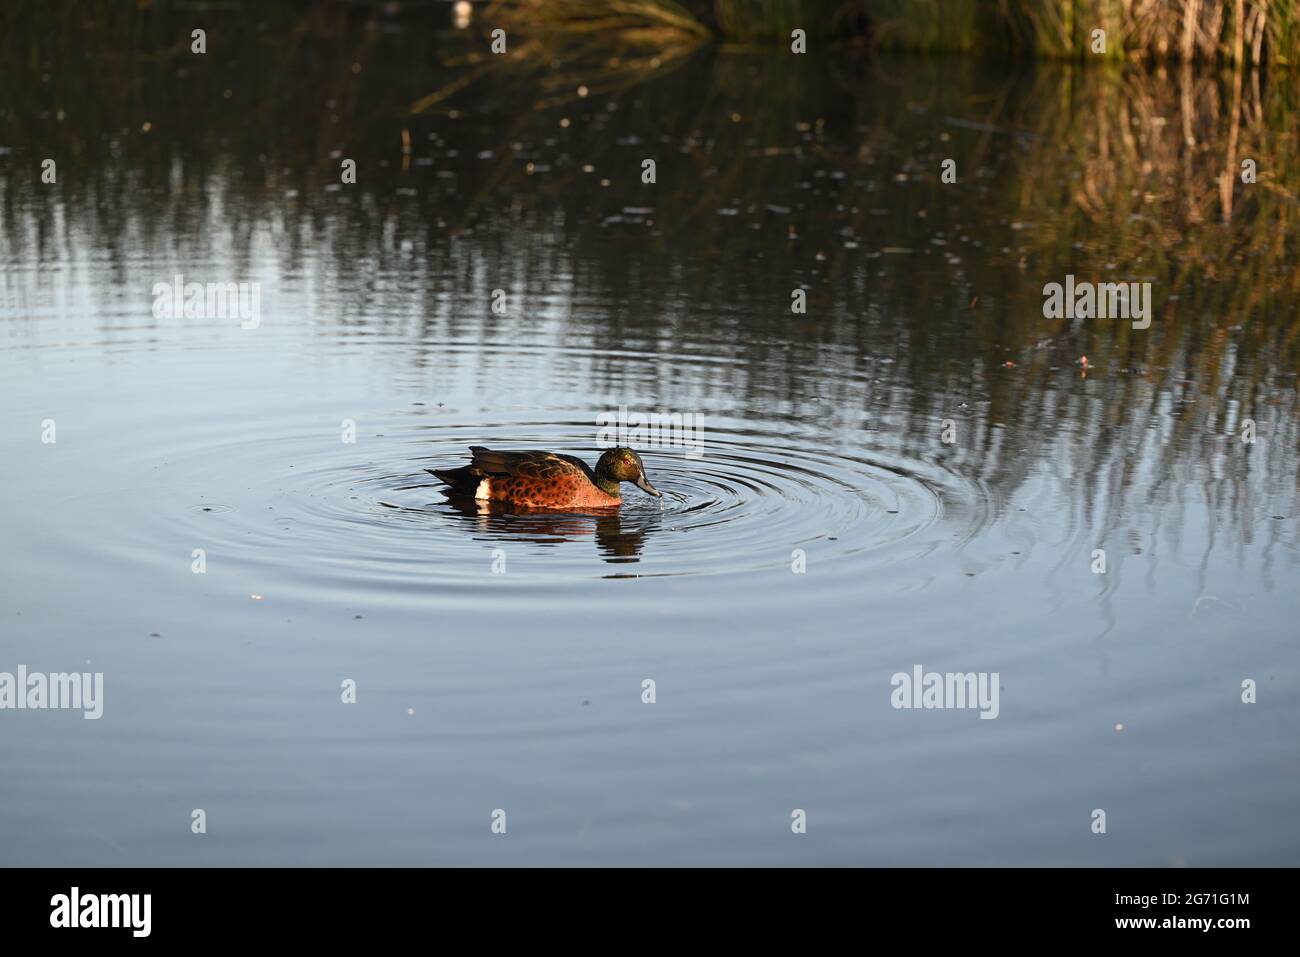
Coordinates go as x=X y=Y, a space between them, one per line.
x=622 y=465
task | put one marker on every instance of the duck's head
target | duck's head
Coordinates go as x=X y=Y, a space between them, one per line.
x=624 y=465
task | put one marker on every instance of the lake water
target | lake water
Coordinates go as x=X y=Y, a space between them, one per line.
x=827 y=538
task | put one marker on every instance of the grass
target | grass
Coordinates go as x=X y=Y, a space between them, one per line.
x=1231 y=31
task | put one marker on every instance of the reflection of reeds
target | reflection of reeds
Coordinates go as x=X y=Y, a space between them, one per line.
x=1134 y=169
x=613 y=46
x=672 y=23
x=592 y=71
x=652 y=22
x=1159 y=164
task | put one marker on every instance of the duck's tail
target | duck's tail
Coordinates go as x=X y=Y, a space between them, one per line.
x=462 y=481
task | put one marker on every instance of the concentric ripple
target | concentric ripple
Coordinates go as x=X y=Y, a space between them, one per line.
x=366 y=515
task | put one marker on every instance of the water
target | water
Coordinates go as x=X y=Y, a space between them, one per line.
x=521 y=688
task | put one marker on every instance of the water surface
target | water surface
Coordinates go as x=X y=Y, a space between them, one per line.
x=827 y=538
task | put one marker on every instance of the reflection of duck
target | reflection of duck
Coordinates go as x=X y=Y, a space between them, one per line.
x=545 y=480
x=617 y=540
x=617 y=543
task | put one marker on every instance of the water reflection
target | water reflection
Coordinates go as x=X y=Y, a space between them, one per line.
x=924 y=300
x=829 y=535
x=618 y=539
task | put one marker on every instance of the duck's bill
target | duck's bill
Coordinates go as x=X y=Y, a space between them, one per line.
x=644 y=485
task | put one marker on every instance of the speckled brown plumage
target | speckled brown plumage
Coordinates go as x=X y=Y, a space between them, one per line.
x=528 y=479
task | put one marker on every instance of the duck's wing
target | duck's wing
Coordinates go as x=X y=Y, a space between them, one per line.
x=527 y=464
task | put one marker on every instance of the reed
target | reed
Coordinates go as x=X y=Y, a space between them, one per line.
x=1231 y=31
x=949 y=26
x=752 y=21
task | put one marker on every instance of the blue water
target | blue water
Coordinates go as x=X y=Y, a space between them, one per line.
x=826 y=539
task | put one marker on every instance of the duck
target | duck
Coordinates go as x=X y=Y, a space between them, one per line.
x=532 y=479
